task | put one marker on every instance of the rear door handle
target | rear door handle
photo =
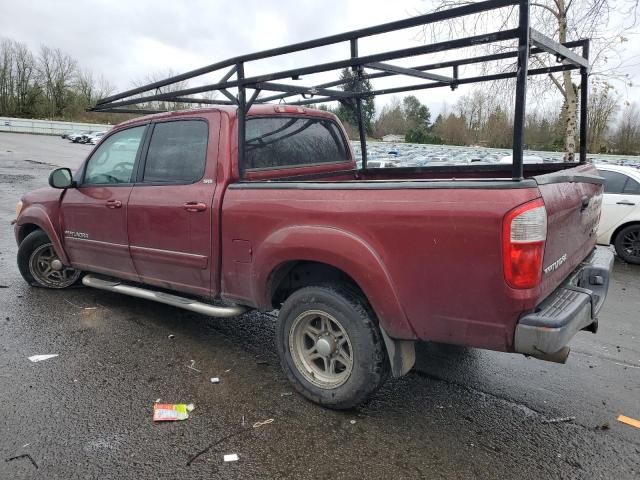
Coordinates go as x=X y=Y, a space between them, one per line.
x=114 y=204
x=194 y=207
x=625 y=202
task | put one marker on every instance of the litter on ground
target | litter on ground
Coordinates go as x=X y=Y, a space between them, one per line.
x=629 y=421
x=215 y=380
x=163 y=412
x=265 y=422
x=559 y=420
x=232 y=457
x=39 y=358
x=192 y=366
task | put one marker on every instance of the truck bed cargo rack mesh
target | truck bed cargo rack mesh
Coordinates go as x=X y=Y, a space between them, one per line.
x=529 y=42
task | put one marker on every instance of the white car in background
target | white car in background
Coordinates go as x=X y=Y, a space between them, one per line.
x=95 y=137
x=620 y=219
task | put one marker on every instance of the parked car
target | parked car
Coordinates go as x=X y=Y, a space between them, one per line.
x=383 y=163
x=76 y=137
x=620 y=219
x=360 y=264
x=529 y=159
x=95 y=137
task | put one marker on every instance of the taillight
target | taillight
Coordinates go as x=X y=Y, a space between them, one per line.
x=524 y=232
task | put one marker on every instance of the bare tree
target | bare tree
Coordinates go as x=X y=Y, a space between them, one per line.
x=627 y=135
x=603 y=104
x=561 y=20
x=6 y=76
x=57 y=71
x=17 y=72
x=174 y=87
x=391 y=119
x=26 y=91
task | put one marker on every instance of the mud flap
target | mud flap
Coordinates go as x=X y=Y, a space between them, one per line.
x=401 y=353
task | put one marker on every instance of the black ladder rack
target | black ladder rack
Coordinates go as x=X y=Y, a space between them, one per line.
x=530 y=42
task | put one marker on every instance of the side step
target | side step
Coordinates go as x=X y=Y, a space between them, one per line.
x=166 y=298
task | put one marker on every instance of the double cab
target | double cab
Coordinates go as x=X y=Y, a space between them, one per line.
x=360 y=263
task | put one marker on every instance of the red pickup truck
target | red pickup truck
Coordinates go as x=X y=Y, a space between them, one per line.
x=360 y=263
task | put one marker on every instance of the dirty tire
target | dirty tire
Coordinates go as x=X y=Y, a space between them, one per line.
x=33 y=243
x=369 y=366
x=627 y=244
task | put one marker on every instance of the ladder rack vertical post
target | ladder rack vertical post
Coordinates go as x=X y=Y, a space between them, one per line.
x=361 y=132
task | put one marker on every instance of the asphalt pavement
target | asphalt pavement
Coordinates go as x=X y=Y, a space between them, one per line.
x=461 y=413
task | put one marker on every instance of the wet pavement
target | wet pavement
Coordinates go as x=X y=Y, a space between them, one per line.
x=461 y=413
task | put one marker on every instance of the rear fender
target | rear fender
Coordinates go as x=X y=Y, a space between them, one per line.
x=36 y=215
x=342 y=250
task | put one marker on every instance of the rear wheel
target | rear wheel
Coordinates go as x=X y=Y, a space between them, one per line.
x=39 y=264
x=627 y=244
x=329 y=346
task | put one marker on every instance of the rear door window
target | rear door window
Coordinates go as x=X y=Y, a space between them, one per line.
x=613 y=181
x=273 y=142
x=631 y=187
x=177 y=152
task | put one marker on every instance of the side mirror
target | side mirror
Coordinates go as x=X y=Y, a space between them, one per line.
x=61 y=178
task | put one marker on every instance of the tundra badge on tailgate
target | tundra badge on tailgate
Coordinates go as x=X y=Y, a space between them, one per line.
x=556 y=264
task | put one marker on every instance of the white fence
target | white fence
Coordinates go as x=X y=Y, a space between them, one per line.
x=46 y=127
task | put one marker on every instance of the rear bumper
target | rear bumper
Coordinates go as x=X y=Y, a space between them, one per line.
x=572 y=307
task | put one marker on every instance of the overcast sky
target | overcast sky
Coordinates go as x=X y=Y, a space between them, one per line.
x=126 y=41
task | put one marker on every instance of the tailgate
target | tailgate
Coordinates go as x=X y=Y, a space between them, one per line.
x=573 y=198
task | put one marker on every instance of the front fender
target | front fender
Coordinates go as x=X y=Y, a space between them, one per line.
x=342 y=250
x=35 y=215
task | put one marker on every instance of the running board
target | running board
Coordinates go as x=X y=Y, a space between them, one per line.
x=166 y=298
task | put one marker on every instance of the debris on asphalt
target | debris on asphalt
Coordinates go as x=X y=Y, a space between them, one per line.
x=629 y=421
x=171 y=337
x=559 y=420
x=39 y=358
x=265 y=422
x=24 y=455
x=215 y=380
x=73 y=304
x=604 y=426
x=237 y=433
x=286 y=394
x=232 y=457
x=243 y=420
x=352 y=422
x=193 y=366
x=227 y=370
x=163 y=412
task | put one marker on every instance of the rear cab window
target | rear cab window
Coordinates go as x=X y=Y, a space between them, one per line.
x=289 y=142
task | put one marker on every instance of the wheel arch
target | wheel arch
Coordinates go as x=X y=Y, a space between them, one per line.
x=34 y=218
x=326 y=253
x=619 y=228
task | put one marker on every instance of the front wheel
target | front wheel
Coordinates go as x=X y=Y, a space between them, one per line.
x=627 y=244
x=39 y=264
x=329 y=346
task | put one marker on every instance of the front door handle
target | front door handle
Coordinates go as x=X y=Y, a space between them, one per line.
x=114 y=204
x=194 y=207
x=625 y=202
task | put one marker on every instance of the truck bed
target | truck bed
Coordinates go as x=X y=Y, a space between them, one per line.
x=424 y=240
